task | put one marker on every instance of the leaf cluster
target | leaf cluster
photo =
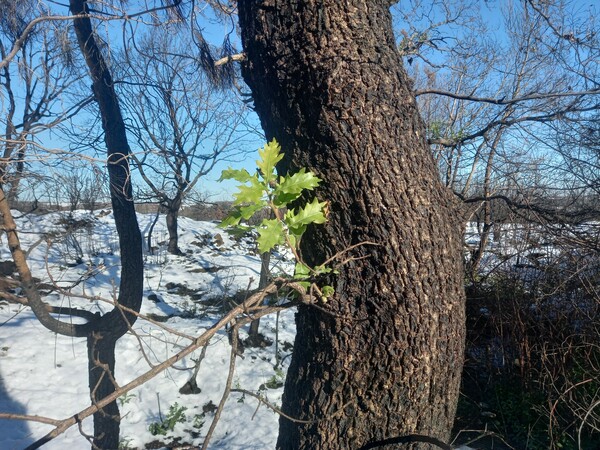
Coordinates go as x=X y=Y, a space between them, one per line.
x=266 y=190
x=175 y=415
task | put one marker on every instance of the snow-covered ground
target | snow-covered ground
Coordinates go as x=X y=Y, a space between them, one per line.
x=46 y=375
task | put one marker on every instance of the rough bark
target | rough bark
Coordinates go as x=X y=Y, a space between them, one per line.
x=328 y=83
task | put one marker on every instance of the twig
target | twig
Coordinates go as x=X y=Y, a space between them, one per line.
x=40 y=419
x=587 y=414
x=272 y=407
x=230 y=58
x=227 y=390
x=65 y=424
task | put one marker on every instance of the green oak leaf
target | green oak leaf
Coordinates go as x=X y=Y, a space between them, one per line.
x=246 y=212
x=235 y=174
x=232 y=219
x=239 y=231
x=291 y=187
x=270 y=234
x=313 y=212
x=269 y=155
x=252 y=193
x=327 y=291
x=322 y=270
x=301 y=271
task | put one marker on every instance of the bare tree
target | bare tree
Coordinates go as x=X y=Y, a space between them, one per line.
x=36 y=88
x=487 y=95
x=101 y=331
x=182 y=124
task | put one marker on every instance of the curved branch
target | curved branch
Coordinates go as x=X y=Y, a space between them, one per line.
x=546 y=212
x=41 y=310
x=26 y=32
x=271 y=406
x=507 y=122
x=118 y=151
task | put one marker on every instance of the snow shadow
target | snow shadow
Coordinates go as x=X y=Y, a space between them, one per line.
x=14 y=434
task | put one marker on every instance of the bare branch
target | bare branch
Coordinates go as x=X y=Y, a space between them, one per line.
x=26 y=32
x=504 y=100
x=230 y=58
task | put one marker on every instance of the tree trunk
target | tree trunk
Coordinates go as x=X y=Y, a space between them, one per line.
x=111 y=326
x=255 y=339
x=328 y=83
x=172 y=215
x=101 y=366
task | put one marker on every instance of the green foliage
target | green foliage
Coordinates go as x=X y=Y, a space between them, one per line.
x=198 y=421
x=265 y=189
x=175 y=415
x=275 y=382
x=126 y=398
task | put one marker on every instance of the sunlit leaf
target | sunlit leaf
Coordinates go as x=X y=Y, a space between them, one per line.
x=301 y=271
x=290 y=188
x=252 y=193
x=270 y=234
x=240 y=175
x=232 y=219
x=313 y=212
x=327 y=291
x=269 y=155
x=248 y=211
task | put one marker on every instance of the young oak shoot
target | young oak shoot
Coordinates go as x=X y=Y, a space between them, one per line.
x=265 y=189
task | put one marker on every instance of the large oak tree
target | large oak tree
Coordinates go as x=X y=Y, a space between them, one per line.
x=384 y=356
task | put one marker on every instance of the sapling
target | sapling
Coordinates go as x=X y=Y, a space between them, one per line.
x=265 y=189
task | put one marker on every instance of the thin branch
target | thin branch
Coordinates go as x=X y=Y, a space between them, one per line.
x=504 y=100
x=227 y=390
x=35 y=301
x=65 y=424
x=40 y=419
x=272 y=407
x=26 y=32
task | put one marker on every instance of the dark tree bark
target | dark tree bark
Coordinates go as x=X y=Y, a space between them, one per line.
x=109 y=328
x=328 y=83
x=172 y=207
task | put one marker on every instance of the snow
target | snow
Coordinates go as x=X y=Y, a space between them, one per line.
x=46 y=374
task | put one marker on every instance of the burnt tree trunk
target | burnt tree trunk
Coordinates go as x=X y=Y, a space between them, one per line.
x=328 y=83
x=101 y=367
x=103 y=333
x=172 y=208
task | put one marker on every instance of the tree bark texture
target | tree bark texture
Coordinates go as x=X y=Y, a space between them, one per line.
x=386 y=360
